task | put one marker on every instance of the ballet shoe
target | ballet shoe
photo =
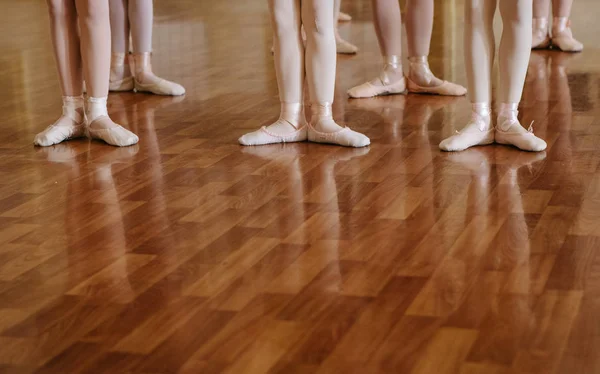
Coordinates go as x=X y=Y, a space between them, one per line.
x=476 y=132
x=540 y=37
x=61 y=130
x=344 y=137
x=444 y=89
x=117 y=136
x=145 y=80
x=160 y=87
x=344 y=47
x=562 y=39
x=120 y=73
x=263 y=136
x=344 y=17
x=70 y=125
x=369 y=89
x=123 y=85
x=510 y=132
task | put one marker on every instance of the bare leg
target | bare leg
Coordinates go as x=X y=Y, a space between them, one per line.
x=419 y=28
x=94 y=24
x=120 y=71
x=342 y=46
x=289 y=67
x=65 y=39
x=317 y=18
x=388 y=26
x=541 y=37
x=479 y=59
x=562 y=36
x=514 y=56
x=141 y=18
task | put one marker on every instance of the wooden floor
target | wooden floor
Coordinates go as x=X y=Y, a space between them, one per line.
x=191 y=254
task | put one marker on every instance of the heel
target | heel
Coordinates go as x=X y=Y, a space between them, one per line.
x=123 y=85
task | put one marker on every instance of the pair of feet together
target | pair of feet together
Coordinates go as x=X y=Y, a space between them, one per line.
x=561 y=38
x=134 y=72
x=92 y=122
x=292 y=127
x=508 y=130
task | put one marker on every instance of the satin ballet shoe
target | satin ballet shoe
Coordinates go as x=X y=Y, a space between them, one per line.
x=57 y=133
x=540 y=37
x=144 y=80
x=562 y=36
x=344 y=47
x=467 y=139
x=368 y=89
x=512 y=133
x=477 y=132
x=70 y=125
x=344 y=137
x=161 y=87
x=263 y=136
x=122 y=85
x=117 y=136
x=444 y=89
x=120 y=73
x=344 y=17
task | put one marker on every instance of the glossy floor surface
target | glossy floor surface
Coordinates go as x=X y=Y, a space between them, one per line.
x=191 y=254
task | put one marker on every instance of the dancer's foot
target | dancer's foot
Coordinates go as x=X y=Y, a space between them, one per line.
x=421 y=80
x=477 y=132
x=345 y=47
x=344 y=17
x=70 y=125
x=510 y=132
x=562 y=36
x=146 y=81
x=120 y=73
x=289 y=128
x=540 y=37
x=101 y=127
x=391 y=81
x=323 y=129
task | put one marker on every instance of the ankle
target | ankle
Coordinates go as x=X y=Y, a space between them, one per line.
x=96 y=108
x=419 y=71
x=73 y=108
x=507 y=115
x=142 y=64
x=392 y=70
x=540 y=23
x=481 y=114
x=559 y=24
x=119 y=67
x=293 y=113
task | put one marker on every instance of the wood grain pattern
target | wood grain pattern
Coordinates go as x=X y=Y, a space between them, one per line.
x=190 y=254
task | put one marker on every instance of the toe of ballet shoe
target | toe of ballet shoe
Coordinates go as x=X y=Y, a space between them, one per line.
x=264 y=137
x=444 y=89
x=41 y=141
x=117 y=136
x=344 y=137
x=178 y=90
x=343 y=17
x=346 y=48
x=369 y=90
x=451 y=145
x=567 y=45
x=465 y=140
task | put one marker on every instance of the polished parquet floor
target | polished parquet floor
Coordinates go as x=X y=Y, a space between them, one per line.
x=190 y=254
